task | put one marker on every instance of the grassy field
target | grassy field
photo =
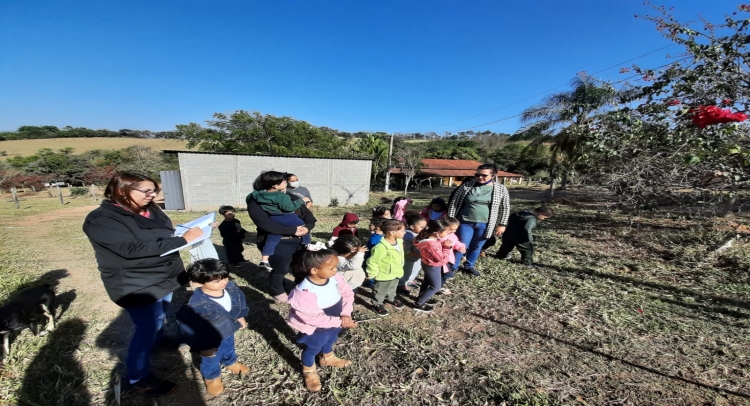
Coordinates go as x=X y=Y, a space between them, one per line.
x=625 y=311
x=29 y=147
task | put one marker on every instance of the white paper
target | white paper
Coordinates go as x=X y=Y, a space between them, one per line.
x=203 y=222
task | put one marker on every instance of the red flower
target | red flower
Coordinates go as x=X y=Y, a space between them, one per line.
x=726 y=102
x=708 y=115
x=674 y=102
x=640 y=310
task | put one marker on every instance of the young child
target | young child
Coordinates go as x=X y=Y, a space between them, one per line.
x=412 y=262
x=351 y=254
x=232 y=235
x=321 y=305
x=518 y=234
x=279 y=207
x=381 y=212
x=458 y=246
x=208 y=322
x=435 y=211
x=348 y=226
x=386 y=266
x=434 y=250
x=376 y=234
x=398 y=209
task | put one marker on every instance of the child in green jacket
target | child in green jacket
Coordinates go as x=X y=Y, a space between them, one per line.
x=518 y=234
x=386 y=266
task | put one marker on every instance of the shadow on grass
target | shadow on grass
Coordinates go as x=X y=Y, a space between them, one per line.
x=54 y=376
x=610 y=357
x=169 y=363
x=653 y=285
x=263 y=319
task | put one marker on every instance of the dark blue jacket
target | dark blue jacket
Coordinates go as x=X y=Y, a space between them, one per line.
x=204 y=323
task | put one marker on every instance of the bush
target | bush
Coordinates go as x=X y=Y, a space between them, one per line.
x=334 y=202
x=79 y=191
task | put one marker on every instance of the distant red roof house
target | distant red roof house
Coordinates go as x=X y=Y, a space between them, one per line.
x=454 y=170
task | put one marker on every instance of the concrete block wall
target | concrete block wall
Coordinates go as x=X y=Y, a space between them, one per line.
x=210 y=180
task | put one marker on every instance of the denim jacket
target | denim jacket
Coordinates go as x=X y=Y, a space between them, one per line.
x=204 y=323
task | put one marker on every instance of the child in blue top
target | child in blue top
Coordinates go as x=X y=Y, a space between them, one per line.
x=208 y=322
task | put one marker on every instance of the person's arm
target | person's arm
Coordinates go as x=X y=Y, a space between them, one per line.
x=529 y=227
x=117 y=238
x=374 y=262
x=227 y=230
x=504 y=210
x=265 y=222
x=286 y=203
x=307 y=216
x=354 y=262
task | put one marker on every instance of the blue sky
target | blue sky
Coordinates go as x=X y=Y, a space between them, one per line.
x=393 y=66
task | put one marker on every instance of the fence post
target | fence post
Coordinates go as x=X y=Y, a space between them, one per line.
x=59 y=193
x=15 y=197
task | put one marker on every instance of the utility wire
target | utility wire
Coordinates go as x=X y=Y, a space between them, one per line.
x=544 y=92
x=613 y=83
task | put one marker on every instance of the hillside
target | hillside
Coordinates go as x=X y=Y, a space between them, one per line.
x=80 y=145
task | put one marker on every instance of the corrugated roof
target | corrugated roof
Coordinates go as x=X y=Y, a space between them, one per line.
x=453 y=167
x=173 y=151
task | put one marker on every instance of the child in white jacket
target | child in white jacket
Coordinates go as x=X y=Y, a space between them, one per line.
x=351 y=254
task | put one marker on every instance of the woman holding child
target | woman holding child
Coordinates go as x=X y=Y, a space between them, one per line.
x=270 y=214
x=129 y=233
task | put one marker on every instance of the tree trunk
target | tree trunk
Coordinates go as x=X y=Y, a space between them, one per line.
x=564 y=184
x=552 y=187
x=729 y=204
x=406 y=186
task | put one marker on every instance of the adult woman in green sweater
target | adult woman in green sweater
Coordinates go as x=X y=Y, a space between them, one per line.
x=482 y=206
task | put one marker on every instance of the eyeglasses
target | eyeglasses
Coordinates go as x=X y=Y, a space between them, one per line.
x=149 y=191
x=482 y=175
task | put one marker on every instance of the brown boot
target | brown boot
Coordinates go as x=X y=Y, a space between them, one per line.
x=312 y=380
x=330 y=360
x=214 y=386
x=238 y=368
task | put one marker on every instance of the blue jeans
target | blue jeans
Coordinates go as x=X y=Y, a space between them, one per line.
x=148 y=321
x=225 y=355
x=320 y=341
x=433 y=281
x=285 y=219
x=472 y=235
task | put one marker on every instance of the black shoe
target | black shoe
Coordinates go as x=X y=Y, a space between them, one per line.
x=265 y=266
x=432 y=301
x=472 y=271
x=425 y=308
x=403 y=291
x=396 y=303
x=153 y=387
x=380 y=310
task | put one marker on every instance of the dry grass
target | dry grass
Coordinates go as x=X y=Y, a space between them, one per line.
x=80 y=145
x=632 y=311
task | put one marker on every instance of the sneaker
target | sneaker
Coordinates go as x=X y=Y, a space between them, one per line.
x=380 y=310
x=403 y=291
x=425 y=308
x=153 y=387
x=282 y=298
x=508 y=257
x=432 y=301
x=444 y=291
x=396 y=303
x=265 y=266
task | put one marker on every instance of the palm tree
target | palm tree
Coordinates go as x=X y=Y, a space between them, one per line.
x=563 y=119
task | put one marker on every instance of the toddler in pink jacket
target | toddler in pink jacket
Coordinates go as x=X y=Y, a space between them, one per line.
x=321 y=305
x=458 y=246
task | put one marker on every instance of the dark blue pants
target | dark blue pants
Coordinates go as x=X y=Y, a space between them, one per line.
x=285 y=219
x=280 y=261
x=433 y=281
x=225 y=355
x=148 y=321
x=322 y=339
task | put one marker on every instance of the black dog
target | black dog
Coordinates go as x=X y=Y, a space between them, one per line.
x=24 y=310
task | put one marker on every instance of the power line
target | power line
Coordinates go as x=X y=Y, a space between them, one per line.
x=613 y=83
x=544 y=92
